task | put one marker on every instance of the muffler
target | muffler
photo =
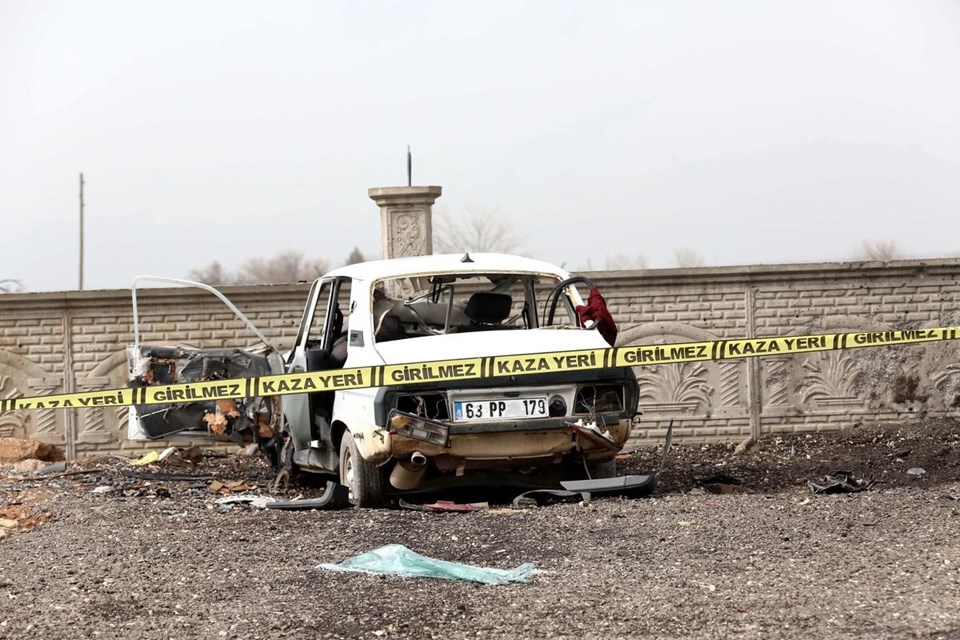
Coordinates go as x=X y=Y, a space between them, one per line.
x=407 y=474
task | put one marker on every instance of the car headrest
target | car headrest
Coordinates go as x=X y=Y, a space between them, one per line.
x=488 y=308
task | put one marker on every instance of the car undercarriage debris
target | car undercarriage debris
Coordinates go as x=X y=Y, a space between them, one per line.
x=335 y=496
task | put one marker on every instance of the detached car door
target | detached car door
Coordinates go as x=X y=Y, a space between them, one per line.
x=242 y=419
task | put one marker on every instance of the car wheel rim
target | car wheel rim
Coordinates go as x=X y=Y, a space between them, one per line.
x=348 y=470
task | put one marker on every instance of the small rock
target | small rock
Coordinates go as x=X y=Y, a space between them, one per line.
x=103 y=489
x=916 y=471
x=250 y=450
x=29 y=466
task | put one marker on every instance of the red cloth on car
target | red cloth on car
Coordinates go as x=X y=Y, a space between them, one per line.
x=596 y=310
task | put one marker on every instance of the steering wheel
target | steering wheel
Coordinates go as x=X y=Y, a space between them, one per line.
x=553 y=299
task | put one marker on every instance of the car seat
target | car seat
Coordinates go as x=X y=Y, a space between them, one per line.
x=487 y=310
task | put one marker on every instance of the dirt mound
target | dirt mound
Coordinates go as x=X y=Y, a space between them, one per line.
x=884 y=453
x=17 y=449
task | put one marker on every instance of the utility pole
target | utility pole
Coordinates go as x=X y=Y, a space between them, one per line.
x=81 y=232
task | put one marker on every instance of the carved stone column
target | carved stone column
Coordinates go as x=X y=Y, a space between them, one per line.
x=406 y=219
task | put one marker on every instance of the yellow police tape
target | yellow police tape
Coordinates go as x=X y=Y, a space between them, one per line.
x=508 y=366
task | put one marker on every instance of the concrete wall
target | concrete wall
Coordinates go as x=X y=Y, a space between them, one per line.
x=733 y=399
x=60 y=342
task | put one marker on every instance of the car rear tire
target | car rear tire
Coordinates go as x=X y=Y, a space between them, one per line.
x=364 y=480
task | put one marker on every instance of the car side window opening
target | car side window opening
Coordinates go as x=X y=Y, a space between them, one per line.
x=338 y=324
x=325 y=342
x=314 y=337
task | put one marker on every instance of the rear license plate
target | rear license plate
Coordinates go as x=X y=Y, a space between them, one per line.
x=503 y=409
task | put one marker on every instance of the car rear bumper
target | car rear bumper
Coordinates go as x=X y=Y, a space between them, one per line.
x=494 y=444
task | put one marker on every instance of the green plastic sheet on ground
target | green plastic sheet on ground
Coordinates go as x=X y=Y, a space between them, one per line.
x=396 y=559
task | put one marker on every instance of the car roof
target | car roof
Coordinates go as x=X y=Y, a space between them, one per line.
x=480 y=263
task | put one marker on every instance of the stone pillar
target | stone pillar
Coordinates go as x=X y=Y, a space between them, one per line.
x=406 y=219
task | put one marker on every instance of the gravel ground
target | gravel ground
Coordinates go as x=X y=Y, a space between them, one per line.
x=730 y=546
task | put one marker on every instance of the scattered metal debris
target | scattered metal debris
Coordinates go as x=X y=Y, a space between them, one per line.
x=153 y=456
x=592 y=432
x=230 y=486
x=445 y=506
x=543 y=497
x=583 y=490
x=252 y=499
x=54 y=476
x=164 y=477
x=335 y=496
x=630 y=486
x=56 y=467
x=840 y=482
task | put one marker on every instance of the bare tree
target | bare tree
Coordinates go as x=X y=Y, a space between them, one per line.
x=477 y=229
x=10 y=285
x=213 y=273
x=879 y=250
x=622 y=261
x=686 y=257
x=289 y=266
x=355 y=257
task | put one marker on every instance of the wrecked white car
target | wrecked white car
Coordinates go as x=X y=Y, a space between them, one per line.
x=520 y=430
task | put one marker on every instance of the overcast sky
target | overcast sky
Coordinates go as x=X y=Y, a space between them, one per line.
x=749 y=132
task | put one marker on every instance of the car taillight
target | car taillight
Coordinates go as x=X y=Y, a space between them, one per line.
x=432 y=406
x=594 y=399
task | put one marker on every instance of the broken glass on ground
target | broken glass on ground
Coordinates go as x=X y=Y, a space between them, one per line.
x=396 y=559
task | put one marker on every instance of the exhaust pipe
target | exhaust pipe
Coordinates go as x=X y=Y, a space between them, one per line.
x=407 y=474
